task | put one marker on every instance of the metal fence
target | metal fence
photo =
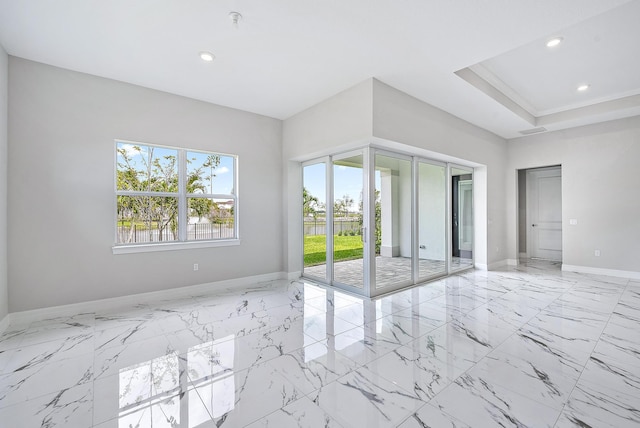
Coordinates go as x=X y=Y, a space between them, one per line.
x=319 y=227
x=195 y=232
x=141 y=234
x=198 y=231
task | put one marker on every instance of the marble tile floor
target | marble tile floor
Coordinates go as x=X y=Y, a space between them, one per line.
x=523 y=347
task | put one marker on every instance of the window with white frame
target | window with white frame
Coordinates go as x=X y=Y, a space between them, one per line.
x=168 y=194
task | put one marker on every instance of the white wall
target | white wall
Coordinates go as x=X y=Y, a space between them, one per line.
x=61 y=191
x=339 y=120
x=404 y=119
x=600 y=188
x=4 y=292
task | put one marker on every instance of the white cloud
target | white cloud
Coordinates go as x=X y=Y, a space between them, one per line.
x=130 y=150
x=222 y=170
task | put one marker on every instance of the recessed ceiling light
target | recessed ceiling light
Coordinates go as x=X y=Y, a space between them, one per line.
x=554 y=42
x=207 y=56
x=583 y=88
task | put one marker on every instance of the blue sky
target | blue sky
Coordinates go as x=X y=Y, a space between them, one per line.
x=347 y=181
x=223 y=180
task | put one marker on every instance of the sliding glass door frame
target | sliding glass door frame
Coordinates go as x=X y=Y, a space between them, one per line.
x=368 y=231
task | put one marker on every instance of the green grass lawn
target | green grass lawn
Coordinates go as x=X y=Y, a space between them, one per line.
x=345 y=248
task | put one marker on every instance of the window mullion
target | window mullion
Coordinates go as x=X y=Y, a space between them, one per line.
x=183 y=220
x=211 y=195
x=149 y=194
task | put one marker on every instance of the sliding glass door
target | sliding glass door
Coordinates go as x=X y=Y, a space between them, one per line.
x=348 y=216
x=393 y=222
x=376 y=221
x=314 y=211
x=432 y=220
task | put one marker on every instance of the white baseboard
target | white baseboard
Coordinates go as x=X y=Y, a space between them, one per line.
x=523 y=255
x=4 y=324
x=491 y=266
x=512 y=262
x=600 y=271
x=291 y=276
x=498 y=264
x=234 y=283
x=115 y=302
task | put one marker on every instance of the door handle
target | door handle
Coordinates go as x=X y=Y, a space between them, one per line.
x=533 y=225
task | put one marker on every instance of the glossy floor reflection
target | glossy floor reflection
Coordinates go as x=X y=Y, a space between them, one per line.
x=531 y=346
x=389 y=270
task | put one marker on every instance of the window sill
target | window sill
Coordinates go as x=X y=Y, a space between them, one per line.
x=172 y=246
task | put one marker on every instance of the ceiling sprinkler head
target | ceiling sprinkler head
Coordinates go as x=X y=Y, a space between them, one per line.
x=235 y=18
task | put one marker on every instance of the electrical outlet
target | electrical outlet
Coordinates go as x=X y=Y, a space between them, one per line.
x=195 y=266
x=597 y=253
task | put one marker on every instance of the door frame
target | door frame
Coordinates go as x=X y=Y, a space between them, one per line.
x=518 y=222
x=528 y=210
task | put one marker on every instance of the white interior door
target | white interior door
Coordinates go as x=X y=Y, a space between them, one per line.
x=544 y=213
